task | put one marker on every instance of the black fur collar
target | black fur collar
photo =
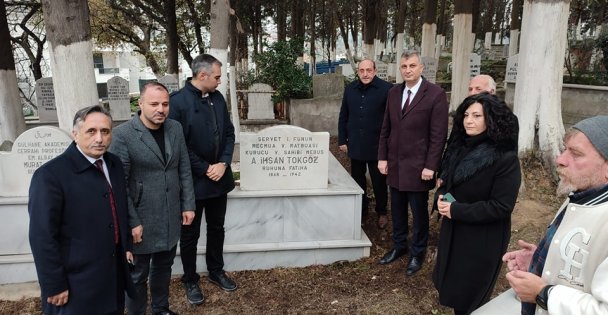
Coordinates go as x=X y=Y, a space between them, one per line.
x=469 y=159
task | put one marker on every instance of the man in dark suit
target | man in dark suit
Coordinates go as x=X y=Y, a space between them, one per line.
x=78 y=232
x=411 y=143
x=359 y=126
x=160 y=194
x=209 y=133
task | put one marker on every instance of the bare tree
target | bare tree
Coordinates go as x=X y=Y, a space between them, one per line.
x=429 y=29
x=12 y=123
x=541 y=59
x=69 y=35
x=461 y=50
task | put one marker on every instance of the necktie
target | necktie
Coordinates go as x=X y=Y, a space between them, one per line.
x=99 y=165
x=407 y=101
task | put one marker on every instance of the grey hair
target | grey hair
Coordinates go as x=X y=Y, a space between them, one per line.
x=82 y=114
x=407 y=54
x=204 y=62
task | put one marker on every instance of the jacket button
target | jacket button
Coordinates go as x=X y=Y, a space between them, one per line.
x=111 y=226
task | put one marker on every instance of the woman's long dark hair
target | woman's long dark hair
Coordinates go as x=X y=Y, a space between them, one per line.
x=502 y=125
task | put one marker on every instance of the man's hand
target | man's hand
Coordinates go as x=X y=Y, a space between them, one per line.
x=427 y=174
x=520 y=259
x=383 y=167
x=187 y=217
x=343 y=148
x=216 y=171
x=438 y=183
x=138 y=234
x=526 y=284
x=59 y=299
x=129 y=256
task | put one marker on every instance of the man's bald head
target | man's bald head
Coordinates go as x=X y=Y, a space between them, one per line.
x=482 y=83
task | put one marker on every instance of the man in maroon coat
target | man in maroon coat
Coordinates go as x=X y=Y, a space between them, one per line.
x=411 y=143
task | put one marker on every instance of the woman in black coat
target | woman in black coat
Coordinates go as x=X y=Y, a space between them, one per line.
x=480 y=170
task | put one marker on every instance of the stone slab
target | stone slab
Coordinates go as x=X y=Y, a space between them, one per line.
x=170 y=82
x=118 y=98
x=511 y=72
x=475 y=64
x=284 y=157
x=327 y=84
x=31 y=149
x=45 y=100
x=430 y=68
x=260 y=102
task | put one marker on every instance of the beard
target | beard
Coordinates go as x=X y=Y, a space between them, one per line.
x=569 y=183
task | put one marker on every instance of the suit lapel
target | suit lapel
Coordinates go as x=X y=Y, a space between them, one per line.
x=169 y=138
x=419 y=96
x=147 y=139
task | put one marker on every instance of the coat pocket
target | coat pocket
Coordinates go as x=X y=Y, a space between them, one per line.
x=138 y=193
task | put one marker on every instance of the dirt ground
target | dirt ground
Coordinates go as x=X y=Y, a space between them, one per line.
x=360 y=287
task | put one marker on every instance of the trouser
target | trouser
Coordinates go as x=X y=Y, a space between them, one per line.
x=357 y=171
x=419 y=202
x=215 y=214
x=157 y=268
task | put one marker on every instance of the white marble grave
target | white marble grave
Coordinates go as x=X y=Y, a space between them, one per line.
x=260 y=102
x=45 y=100
x=30 y=150
x=170 y=82
x=284 y=157
x=430 y=69
x=475 y=64
x=118 y=97
x=511 y=72
x=382 y=70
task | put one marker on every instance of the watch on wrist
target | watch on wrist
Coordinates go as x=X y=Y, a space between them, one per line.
x=543 y=297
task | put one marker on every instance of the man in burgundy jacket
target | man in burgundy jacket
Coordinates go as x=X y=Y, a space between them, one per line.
x=411 y=143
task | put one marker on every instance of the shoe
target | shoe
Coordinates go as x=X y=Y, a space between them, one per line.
x=414 y=265
x=382 y=221
x=166 y=312
x=194 y=293
x=392 y=255
x=221 y=280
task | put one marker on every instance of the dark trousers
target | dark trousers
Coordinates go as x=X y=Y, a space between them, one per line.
x=419 y=202
x=156 y=267
x=357 y=171
x=215 y=214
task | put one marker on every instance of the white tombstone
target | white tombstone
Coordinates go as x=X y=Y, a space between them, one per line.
x=382 y=70
x=118 y=97
x=170 y=82
x=511 y=72
x=45 y=100
x=475 y=64
x=31 y=149
x=284 y=157
x=430 y=69
x=487 y=44
x=260 y=102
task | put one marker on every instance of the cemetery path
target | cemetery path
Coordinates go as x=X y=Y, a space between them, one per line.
x=361 y=286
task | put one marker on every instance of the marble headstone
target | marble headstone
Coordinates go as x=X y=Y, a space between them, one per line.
x=430 y=69
x=511 y=72
x=31 y=149
x=170 y=82
x=260 y=102
x=475 y=64
x=118 y=97
x=382 y=70
x=284 y=157
x=45 y=100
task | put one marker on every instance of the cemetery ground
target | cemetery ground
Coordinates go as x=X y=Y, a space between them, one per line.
x=359 y=287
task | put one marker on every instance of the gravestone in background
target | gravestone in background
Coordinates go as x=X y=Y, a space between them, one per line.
x=430 y=69
x=31 y=149
x=170 y=82
x=284 y=157
x=382 y=70
x=327 y=84
x=260 y=102
x=118 y=98
x=45 y=100
x=511 y=72
x=475 y=64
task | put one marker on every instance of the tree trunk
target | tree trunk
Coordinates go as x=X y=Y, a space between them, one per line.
x=313 y=38
x=12 y=123
x=541 y=59
x=515 y=27
x=369 y=32
x=220 y=25
x=171 y=38
x=461 y=50
x=344 y=34
x=429 y=29
x=281 y=19
x=69 y=35
x=441 y=23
